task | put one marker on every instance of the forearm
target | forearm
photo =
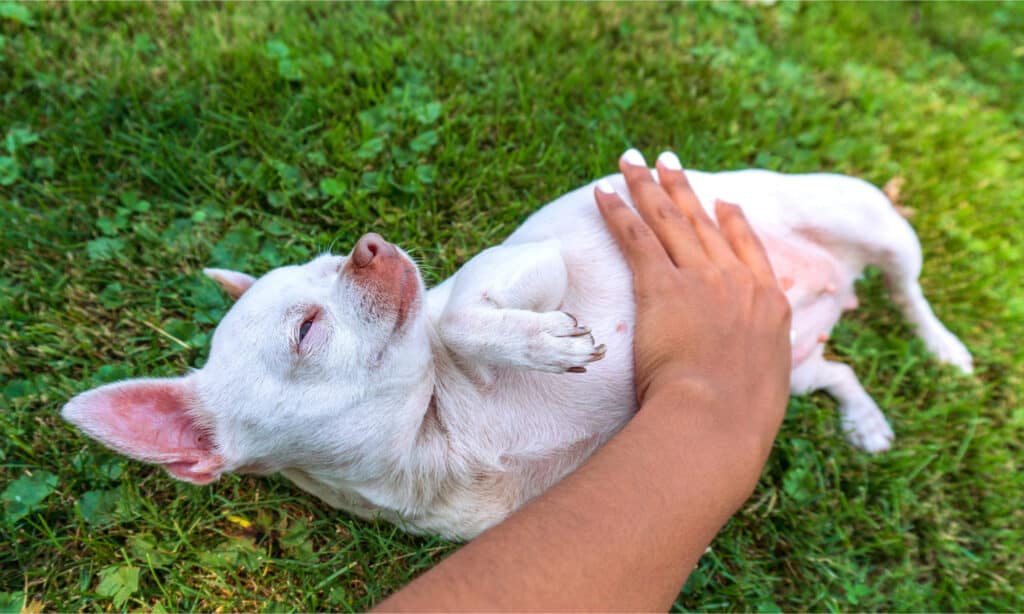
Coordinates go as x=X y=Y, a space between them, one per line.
x=650 y=501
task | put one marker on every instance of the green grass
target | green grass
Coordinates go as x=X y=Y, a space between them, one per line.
x=143 y=142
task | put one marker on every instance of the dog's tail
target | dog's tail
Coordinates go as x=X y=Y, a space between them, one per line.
x=892 y=192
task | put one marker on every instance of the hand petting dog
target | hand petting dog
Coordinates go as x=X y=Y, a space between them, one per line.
x=446 y=409
x=624 y=531
x=711 y=318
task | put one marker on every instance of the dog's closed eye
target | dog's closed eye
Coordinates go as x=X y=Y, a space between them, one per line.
x=304 y=329
x=306 y=326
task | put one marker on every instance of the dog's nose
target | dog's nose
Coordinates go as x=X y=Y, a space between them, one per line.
x=368 y=247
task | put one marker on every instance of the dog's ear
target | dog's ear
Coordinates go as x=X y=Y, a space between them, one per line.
x=233 y=282
x=152 y=420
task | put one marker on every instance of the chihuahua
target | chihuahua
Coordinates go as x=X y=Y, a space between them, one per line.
x=444 y=410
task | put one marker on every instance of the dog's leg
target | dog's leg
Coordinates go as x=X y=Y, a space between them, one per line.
x=863 y=422
x=901 y=265
x=503 y=312
x=861 y=225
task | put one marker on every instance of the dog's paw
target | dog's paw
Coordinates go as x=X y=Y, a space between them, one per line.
x=866 y=427
x=948 y=349
x=558 y=344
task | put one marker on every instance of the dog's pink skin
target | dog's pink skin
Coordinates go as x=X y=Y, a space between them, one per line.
x=385 y=274
x=149 y=420
x=445 y=410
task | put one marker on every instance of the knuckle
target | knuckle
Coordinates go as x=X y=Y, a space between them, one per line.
x=615 y=205
x=730 y=222
x=745 y=275
x=647 y=189
x=702 y=222
x=668 y=211
x=637 y=231
x=686 y=200
x=711 y=275
x=742 y=276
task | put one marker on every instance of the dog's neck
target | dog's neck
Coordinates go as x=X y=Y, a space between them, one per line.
x=421 y=458
x=417 y=460
x=434 y=436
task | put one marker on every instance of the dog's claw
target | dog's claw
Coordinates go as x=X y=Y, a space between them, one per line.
x=564 y=345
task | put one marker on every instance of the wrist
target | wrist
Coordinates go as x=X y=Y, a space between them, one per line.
x=682 y=391
x=699 y=422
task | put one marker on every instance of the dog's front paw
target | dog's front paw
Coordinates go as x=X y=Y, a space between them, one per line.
x=559 y=344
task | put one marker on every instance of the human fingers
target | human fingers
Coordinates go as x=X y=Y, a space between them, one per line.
x=673 y=228
x=744 y=242
x=639 y=245
x=673 y=180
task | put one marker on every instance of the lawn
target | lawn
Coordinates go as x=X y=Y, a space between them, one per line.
x=141 y=143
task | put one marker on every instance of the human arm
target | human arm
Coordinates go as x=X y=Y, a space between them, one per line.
x=712 y=359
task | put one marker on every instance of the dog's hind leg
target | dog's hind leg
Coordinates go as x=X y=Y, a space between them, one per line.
x=863 y=422
x=900 y=262
x=862 y=226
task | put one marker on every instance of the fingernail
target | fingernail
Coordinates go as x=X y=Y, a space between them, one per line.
x=605 y=187
x=670 y=161
x=634 y=158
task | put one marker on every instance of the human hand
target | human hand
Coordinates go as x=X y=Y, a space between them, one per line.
x=712 y=371
x=712 y=325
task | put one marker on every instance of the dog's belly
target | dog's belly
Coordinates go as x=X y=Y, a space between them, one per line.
x=818 y=286
x=817 y=279
x=547 y=424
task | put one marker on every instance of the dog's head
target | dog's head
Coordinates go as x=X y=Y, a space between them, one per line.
x=307 y=370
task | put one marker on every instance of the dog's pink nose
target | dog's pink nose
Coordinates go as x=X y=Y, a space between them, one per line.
x=368 y=247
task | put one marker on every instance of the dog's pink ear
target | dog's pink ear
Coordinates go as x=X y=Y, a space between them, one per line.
x=152 y=420
x=233 y=282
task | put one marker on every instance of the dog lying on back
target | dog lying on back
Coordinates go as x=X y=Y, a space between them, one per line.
x=445 y=410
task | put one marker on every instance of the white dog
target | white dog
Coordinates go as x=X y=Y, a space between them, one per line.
x=445 y=410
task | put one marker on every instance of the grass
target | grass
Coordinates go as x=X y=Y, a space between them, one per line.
x=144 y=142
